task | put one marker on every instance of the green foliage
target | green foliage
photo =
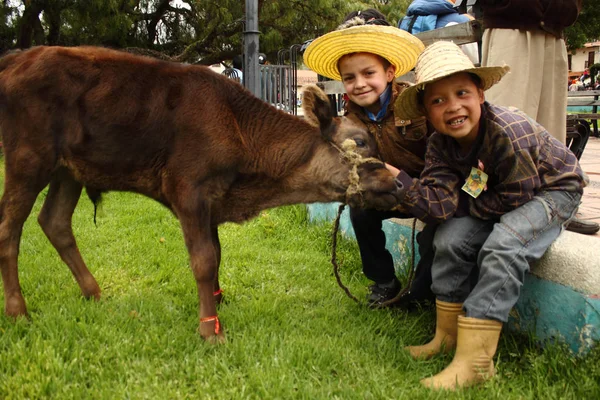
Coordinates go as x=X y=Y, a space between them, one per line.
x=96 y=23
x=586 y=28
x=189 y=30
x=8 y=33
x=594 y=69
x=200 y=31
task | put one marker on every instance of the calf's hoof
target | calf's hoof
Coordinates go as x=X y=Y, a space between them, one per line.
x=92 y=295
x=216 y=339
x=90 y=289
x=211 y=330
x=15 y=307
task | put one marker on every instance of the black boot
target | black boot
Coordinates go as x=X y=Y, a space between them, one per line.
x=582 y=226
x=416 y=299
x=379 y=293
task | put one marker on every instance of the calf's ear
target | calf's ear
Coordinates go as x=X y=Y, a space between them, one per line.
x=317 y=110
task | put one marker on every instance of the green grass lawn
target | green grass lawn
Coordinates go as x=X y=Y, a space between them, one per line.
x=291 y=331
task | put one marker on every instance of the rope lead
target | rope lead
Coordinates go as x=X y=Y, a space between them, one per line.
x=349 y=155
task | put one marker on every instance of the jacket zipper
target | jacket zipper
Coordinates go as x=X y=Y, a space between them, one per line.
x=380 y=136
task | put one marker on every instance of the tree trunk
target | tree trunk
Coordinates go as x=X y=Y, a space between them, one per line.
x=161 y=8
x=30 y=25
x=53 y=20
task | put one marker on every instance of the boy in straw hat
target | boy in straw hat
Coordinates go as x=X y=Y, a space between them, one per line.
x=502 y=189
x=367 y=58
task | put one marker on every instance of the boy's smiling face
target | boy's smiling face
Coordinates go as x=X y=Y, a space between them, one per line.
x=453 y=106
x=365 y=78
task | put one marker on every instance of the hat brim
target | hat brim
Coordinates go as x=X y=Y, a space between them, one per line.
x=399 y=47
x=407 y=104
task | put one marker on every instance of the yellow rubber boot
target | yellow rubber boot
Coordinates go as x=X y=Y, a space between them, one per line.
x=473 y=362
x=444 y=340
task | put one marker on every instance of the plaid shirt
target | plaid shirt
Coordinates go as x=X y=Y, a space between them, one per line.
x=518 y=155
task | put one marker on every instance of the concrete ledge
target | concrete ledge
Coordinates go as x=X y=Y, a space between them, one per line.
x=553 y=311
x=560 y=298
x=573 y=260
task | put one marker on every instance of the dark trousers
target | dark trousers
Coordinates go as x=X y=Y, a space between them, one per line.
x=378 y=264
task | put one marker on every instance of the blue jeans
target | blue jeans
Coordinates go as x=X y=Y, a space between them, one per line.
x=483 y=263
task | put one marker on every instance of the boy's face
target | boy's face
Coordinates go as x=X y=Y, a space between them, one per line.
x=453 y=106
x=365 y=78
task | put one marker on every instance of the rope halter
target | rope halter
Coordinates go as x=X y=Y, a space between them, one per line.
x=354 y=159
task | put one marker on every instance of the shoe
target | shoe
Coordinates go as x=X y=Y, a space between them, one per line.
x=446 y=332
x=379 y=293
x=473 y=363
x=582 y=226
x=414 y=302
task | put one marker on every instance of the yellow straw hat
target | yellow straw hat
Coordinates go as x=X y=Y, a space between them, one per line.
x=399 y=47
x=439 y=60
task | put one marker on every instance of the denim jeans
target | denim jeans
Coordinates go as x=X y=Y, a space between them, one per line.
x=497 y=253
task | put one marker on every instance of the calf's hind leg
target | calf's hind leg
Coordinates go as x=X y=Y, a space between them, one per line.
x=55 y=220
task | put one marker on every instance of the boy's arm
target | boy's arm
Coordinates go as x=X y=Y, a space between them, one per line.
x=434 y=196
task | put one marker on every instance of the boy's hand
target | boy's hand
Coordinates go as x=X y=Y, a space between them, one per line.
x=395 y=171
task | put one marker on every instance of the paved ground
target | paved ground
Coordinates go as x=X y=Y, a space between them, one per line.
x=590 y=162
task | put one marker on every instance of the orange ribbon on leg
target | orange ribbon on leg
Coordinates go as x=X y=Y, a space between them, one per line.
x=217 y=324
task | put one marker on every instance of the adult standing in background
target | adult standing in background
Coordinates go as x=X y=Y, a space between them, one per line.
x=528 y=35
x=238 y=67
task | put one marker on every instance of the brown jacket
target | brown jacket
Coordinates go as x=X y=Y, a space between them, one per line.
x=552 y=16
x=400 y=143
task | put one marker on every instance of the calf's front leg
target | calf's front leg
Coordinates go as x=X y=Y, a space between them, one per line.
x=198 y=236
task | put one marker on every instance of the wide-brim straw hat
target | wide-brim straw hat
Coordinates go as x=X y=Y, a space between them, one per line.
x=399 y=47
x=439 y=60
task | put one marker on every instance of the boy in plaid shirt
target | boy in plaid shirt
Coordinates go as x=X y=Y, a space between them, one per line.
x=502 y=189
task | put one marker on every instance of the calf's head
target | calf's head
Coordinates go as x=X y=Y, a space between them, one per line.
x=363 y=177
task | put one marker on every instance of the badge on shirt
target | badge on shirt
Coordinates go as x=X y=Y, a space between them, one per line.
x=476 y=182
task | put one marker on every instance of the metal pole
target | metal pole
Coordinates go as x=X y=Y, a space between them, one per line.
x=252 y=72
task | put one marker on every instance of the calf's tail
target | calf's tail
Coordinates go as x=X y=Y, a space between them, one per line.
x=95 y=196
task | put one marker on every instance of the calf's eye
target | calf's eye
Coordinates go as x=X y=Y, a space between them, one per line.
x=359 y=142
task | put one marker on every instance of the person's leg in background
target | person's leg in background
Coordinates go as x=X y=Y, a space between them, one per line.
x=536 y=84
x=524 y=53
x=552 y=112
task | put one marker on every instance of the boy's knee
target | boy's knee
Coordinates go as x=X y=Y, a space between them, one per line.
x=449 y=233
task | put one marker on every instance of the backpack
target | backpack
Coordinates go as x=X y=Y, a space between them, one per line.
x=418 y=23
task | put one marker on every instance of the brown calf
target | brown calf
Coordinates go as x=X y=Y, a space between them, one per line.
x=183 y=135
